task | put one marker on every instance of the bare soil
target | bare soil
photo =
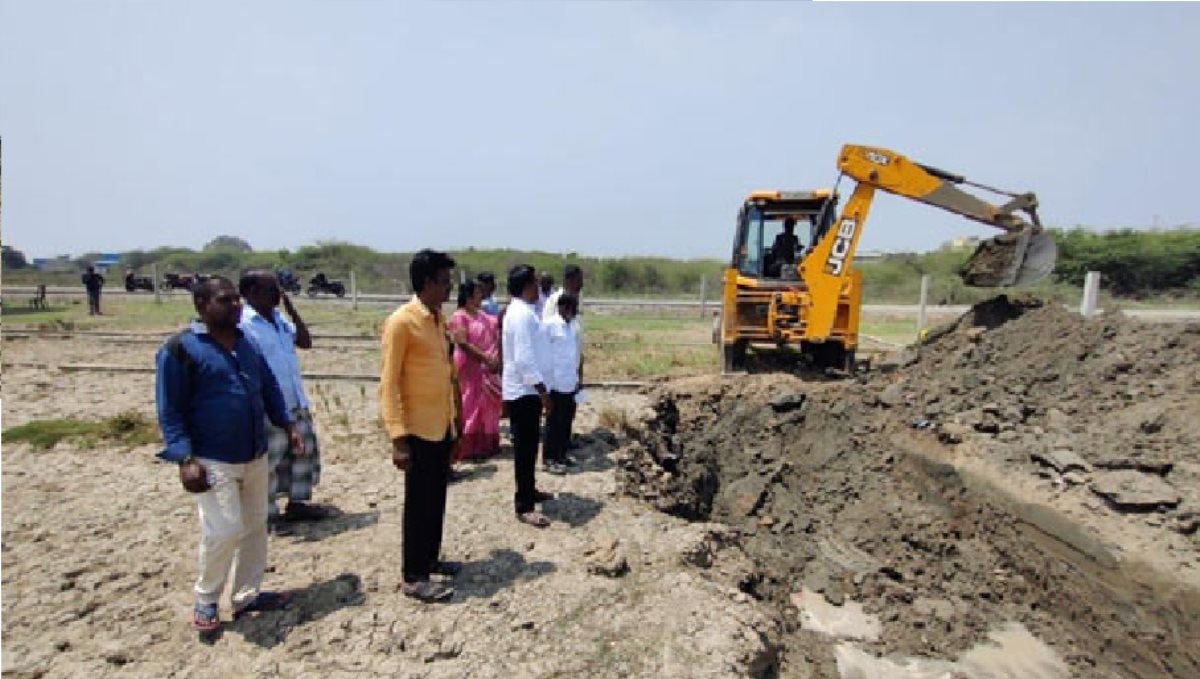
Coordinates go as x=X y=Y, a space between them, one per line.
x=918 y=491
x=953 y=493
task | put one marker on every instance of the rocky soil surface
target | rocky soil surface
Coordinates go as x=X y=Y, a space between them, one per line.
x=1027 y=465
x=1027 y=474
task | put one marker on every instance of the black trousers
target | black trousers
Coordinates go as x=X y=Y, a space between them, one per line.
x=93 y=301
x=525 y=418
x=425 y=484
x=558 y=427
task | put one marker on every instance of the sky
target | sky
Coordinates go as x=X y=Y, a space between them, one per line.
x=606 y=129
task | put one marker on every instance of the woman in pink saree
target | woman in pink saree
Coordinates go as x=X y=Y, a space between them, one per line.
x=477 y=359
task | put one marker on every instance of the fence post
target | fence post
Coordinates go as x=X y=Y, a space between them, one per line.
x=703 y=296
x=353 y=290
x=1091 y=293
x=154 y=282
x=921 y=308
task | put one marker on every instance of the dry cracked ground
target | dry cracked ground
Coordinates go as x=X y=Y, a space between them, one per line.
x=1018 y=499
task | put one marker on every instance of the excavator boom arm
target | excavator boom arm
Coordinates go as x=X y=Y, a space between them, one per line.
x=892 y=172
x=1023 y=254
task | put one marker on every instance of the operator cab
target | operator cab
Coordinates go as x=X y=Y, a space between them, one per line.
x=777 y=229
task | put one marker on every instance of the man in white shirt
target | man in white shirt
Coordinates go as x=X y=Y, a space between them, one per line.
x=545 y=286
x=523 y=388
x=290 y=474
x=572 y=283
x=564 y=382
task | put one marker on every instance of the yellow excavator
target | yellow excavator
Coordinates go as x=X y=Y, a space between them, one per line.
x=801 y=290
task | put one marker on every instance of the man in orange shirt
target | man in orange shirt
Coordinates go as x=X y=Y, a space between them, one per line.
x=418 y=404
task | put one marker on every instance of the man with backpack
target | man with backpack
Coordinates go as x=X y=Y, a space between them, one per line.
x=214 y=392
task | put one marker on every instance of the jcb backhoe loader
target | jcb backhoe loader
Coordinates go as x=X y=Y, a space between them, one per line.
x=801 y=290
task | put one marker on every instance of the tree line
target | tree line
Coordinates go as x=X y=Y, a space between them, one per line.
x=1133 y=264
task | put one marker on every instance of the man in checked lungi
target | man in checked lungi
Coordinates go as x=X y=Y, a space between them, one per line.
x=292 y=475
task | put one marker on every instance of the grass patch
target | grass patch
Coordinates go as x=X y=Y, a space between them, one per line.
x=896 y=331
x=129 y=428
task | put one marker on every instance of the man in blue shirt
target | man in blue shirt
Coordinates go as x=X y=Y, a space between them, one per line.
x=214 y=392
x=291 y=474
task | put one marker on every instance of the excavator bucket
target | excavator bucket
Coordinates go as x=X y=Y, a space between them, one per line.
x=1017 y=258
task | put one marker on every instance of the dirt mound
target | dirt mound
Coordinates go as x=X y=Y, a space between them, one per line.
x=843 y=488
x=1061 y=391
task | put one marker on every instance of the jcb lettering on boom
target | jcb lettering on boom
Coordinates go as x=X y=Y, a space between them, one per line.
x=877 y=158
x=841 y=246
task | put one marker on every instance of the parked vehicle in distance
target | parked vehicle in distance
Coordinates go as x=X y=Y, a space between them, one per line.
x=320 y=284
x=288 y=281
x=134 y=283
x=186 y=281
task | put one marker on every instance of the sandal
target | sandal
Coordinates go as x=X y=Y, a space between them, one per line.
x=265 y=601
x=534 y=518
x=205 y=618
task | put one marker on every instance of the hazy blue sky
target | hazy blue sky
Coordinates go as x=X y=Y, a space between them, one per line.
x=608 y=128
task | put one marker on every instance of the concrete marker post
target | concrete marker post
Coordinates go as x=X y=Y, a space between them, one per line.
x=1091 y=293
x=921 y=308
x=353 y=290
x=154 y=282
x=703 y=296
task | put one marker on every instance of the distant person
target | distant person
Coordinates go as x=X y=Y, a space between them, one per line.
x=215 y=392
x=487 y=282
x=418 y=405
x=545 y=286
x=573 y=284
x=563 y=382
x=292 y=475
x=93 y=282
x=523 y=387
x=478 y=364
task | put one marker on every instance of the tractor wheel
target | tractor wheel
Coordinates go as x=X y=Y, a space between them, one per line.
x=830 y=355
x=733 y=356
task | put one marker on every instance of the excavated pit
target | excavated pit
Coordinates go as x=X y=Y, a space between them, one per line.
x=926 y=495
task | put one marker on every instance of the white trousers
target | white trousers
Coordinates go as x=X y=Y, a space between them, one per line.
x=233 y=530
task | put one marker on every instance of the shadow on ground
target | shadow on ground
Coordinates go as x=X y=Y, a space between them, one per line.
x=314 y=602
x=574 y=510
x=312 y=531
x=484 y=578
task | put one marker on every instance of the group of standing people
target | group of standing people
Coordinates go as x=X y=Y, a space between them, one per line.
x=444 y=385
x=235 y=417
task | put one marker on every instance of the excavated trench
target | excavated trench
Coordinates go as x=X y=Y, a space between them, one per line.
x=836 y=495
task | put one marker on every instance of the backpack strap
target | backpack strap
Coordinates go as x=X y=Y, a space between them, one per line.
x=175 y=348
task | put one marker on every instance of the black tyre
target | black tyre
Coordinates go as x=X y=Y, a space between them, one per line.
x=830 y=355
x=733 y=356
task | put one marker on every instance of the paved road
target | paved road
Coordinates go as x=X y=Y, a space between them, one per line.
x=1162 y=315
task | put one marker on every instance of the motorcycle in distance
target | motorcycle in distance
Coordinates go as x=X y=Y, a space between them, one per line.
x=134 y=283
x=320 y=284
x=288 y=281
x=173 y=281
